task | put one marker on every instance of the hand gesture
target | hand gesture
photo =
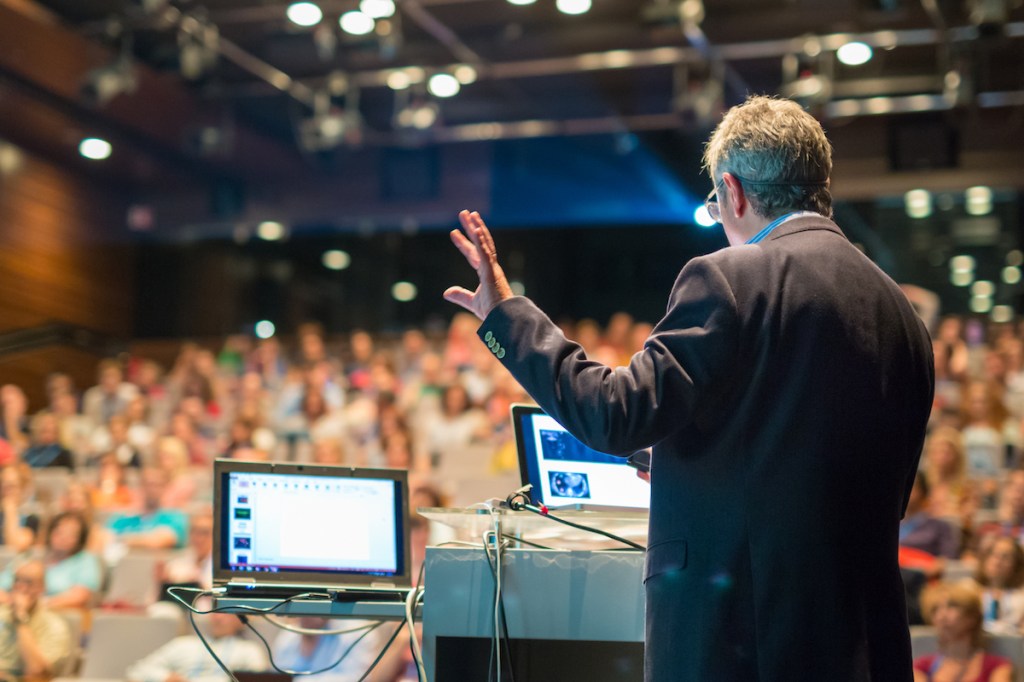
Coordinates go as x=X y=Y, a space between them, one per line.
x=480 y=253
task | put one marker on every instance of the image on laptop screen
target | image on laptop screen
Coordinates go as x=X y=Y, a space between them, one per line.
x=564 y=471
x=311 y=524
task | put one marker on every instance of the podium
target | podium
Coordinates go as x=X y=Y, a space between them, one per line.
x=572 y=614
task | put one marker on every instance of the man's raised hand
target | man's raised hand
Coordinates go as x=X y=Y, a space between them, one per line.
x=480 y=253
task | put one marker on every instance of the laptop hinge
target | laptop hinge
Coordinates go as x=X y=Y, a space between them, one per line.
x=243 y=582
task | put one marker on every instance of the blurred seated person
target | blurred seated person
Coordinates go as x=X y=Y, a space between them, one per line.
x=194 y=564
x=77 y=497
x=1010 y=513
x=1000 y=576
x=34 y=641
x=110 y=396
x=44 y=448
x=112 y=491
x=13 y=416
x=153 y=527
x=113 y=438
x=955 y=612
x=921 y=531
x=309 y=652
x=172 y=456
x=73 y=574
x=945 y=464
x=328 y=451
x=185 y=659
x=18 y=529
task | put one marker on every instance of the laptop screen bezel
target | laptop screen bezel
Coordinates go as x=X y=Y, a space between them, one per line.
x=222 y=574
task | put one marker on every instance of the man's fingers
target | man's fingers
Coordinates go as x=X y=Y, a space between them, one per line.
x=459 y=296
x=466 y=247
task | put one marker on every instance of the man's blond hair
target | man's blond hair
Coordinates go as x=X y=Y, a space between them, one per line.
x=779 y=153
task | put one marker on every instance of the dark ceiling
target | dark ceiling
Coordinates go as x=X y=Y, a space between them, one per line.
x=624 y=64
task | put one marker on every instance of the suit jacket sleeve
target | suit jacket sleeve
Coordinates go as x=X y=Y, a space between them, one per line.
x=684 y=362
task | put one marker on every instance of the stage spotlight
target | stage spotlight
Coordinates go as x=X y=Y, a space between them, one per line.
x=517 y=287
x=336 y=259
x=981 y=304
x=1002 y=313
x=854 y=53
x=961 y=264
x=573 y=6
x=265 y=329
x=404 y=291
x=702 y=217
x=443 y=85
x=978 y=200
x=918 y=203
x=95 y=148
x=521 y=2
x=270 y=230
x=356 y=23
x=960 y=278
x=398 y=80
x=417 y=115
x=983 y=288
x=1011 y=275
x=465 y=74
x=377 y=9
x=304 y=13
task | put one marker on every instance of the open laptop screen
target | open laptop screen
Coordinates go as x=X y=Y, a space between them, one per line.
x=307 y=524
x=564 y=471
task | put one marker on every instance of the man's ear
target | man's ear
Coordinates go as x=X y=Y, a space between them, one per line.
x=737 y=199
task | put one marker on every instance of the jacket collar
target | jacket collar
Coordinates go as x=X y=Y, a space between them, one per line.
x=804 y=224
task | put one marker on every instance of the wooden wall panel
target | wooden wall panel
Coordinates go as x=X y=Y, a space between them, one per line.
x=64 y=256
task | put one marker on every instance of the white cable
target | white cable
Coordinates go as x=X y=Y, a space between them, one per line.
x=417 y=655
x=310 y=631
x=497 y=592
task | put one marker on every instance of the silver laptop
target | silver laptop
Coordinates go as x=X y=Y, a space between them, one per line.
x=282 y=529
x=567 y=474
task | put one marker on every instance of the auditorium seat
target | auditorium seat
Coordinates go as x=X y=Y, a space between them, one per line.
x=117 y=640
x=955 y=571
x=133 y=581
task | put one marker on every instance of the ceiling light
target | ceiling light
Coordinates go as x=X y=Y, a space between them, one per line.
x=517 y=287
x=356 y=23
x=270 y=230
x=419 y=115
x=1015 y=257
x=981 y=304
x=983 y=288
x=918 y=203
x=573 y=6
x=94 y=148
x=979 y=200
x=443 y=85
x=521 y=2
x=1002 y=313
x=1011 y=275
x=336 y=259
x=398 y=80
x=304 y=13
x=702 y=217
x=265 y=329
x=961 y=278
x=404 y=291
x=465 y=74
x=961 y=264
x=377 y=9
x=854 y=53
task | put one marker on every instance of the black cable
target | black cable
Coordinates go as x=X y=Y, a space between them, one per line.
x=387 y=645
x=270 y=654
x=522 y=506
x=525 y=542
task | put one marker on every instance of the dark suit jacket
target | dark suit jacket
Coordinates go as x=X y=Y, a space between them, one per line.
x=785 y=393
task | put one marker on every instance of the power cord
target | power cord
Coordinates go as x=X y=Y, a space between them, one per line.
x=504 y=621
x=199 y=593
x=519 y=500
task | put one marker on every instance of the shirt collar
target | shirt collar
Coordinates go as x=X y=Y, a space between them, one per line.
x=760 y=236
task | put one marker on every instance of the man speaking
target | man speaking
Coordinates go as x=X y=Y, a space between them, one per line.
x=785 y=394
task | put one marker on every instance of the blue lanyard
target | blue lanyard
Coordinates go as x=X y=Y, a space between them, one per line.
x=775 y=223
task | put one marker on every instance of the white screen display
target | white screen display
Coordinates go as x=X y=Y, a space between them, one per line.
x=571 y=473
x=290 y=522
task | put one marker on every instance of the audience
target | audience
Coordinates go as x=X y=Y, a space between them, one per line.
x=308 y=652
x=141 y=441
x=955 y=612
